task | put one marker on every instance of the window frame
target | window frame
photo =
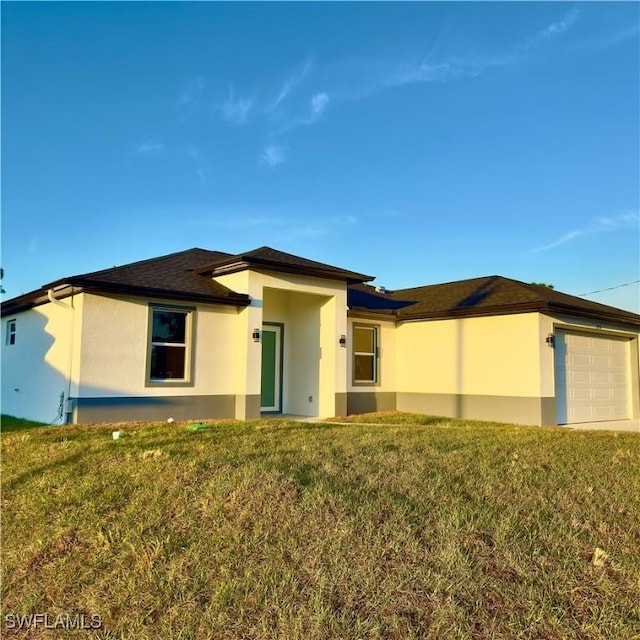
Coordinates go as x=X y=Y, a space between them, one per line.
x=11 y=332
x=375 y=329
x=188 y=346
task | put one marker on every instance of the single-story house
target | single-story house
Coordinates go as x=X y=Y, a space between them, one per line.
x=206 y=334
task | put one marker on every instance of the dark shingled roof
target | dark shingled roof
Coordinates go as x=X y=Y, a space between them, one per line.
x=366 y=296
x=270 y=259
x=494 y=295
x=168 y=277
x=187 y=275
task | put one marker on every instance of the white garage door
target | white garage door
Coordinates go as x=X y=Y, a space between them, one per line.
x=592 y=377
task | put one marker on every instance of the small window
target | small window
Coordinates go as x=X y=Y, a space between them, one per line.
x=169 y=356
x=365 y=354
x=11 y=332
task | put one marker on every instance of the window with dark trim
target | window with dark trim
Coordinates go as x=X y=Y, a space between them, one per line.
x=169 y=355
x=365 y=354
x=10 y=337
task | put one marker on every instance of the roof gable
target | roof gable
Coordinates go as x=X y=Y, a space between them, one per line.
x=269 y=259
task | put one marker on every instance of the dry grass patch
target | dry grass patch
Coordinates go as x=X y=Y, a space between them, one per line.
x=291 y=530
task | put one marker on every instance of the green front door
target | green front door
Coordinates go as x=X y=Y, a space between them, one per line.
x=271 y=368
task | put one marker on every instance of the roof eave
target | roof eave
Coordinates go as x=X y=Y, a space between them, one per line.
x=233 y=299
x=473 y=312
x=349 y=277
x=67 y=288
x=34 y=299
x=359 y=312
x=612 y=316
x=525 y=307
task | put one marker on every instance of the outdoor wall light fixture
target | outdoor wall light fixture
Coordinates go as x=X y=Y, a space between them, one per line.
x=256 y=335
x=551 y=341
x=343 y=341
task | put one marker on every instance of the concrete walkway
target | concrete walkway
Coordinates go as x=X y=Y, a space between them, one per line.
x=607 y=425
x=289 y=416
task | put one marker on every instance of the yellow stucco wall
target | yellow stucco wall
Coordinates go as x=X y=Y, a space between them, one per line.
x=493 y=356
x=115 y=346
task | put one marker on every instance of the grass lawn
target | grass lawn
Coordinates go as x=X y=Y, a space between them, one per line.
x=11 y=423
x=409 y=528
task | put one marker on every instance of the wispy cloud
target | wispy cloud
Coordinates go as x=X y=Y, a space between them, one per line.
x=149 y=148
x=319 y=103
x=546 y=35
x=311 y=114
x=596 y=226
x=453 y=68
x=290 y=108
x=290 y=83
x=420 y=72
x=273 y=155
x=373 y=76
x=556 y=29
x=235 y=110
x=361 y=79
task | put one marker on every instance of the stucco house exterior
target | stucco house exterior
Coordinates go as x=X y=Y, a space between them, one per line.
x=205 y=334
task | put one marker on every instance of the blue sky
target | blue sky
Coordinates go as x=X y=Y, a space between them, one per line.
x=418 y=142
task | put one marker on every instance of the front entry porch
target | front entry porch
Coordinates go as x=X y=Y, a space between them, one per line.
x=299 y=345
